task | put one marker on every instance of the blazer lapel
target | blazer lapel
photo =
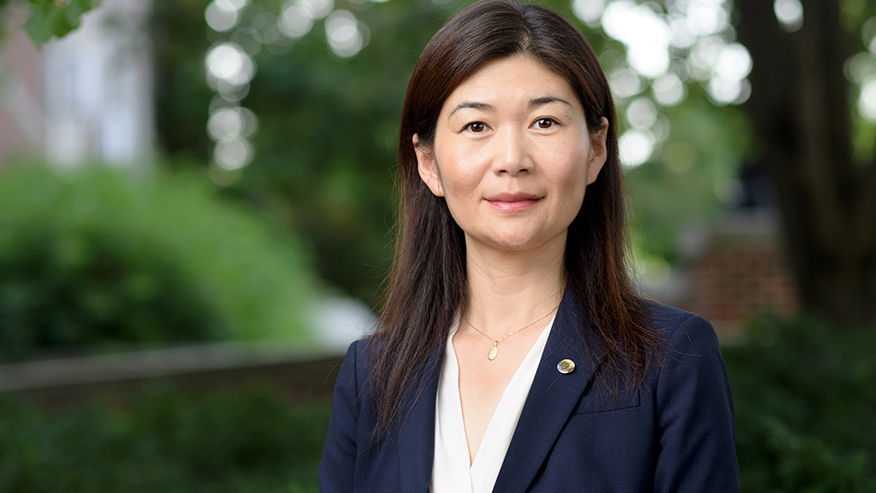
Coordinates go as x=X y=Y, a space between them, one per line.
x=551 y=400
x=416 y=436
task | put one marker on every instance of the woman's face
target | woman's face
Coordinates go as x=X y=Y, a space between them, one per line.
x=512 y=155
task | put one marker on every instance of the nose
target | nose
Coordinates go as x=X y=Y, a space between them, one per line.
x=512 y=154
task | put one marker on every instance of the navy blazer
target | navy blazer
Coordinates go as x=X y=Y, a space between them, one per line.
x=676 y=434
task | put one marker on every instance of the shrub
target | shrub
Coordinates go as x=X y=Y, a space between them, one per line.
x=805 y=404
x=99 y=256
x=166 y=440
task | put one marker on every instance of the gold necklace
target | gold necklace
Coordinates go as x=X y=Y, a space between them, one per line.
x=494 y=351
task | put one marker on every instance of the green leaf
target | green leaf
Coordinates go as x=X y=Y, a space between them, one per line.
x=55 y=18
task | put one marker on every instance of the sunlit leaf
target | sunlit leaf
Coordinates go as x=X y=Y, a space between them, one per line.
x=55 y=18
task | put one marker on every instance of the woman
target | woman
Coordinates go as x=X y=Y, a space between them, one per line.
x=512 y=353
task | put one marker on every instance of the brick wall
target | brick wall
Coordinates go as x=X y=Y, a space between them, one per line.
x=728 y=285
x=735 y=269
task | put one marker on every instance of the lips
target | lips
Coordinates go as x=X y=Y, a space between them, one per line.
x=513 y=202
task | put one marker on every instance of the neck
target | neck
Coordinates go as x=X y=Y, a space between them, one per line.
x=510 y=289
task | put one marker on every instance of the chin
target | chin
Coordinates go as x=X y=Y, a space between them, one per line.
x=519 y=239
x=519 y=244
x=546 y=240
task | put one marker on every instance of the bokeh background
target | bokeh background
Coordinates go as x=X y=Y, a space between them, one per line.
x=196 y=210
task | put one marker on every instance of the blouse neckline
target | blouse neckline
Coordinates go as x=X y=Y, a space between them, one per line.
x=451 y=471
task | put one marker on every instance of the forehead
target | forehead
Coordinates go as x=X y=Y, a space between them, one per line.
x=513 y=80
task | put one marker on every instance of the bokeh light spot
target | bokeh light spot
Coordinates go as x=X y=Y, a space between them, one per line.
x=645 y=34
x=228 y=62
x=707 y=16
x=317 y=8
x=860 y=68
x=789 y=13
x=294 y=21
x=343 y=33
x=734 y=62
x=625 y=83
x=704 y=56
x=867 y=100
x=641 y=113
x=668 y=90
x=230 y=123
x=221 y=16
x=636 y=147
x=234 y=154
x=589 y=11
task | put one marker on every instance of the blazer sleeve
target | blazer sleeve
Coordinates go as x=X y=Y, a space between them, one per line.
x=695 y=418
x=338 y=463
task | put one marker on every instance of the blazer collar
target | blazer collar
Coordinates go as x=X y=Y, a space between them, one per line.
x=552 y=398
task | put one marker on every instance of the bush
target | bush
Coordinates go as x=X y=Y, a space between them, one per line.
x=99 y=256
x=167 y=441
x=805 y=404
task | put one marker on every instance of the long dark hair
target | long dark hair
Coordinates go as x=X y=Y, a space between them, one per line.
x=427 y=284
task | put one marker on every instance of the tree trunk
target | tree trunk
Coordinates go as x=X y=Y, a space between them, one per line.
x=799 y=107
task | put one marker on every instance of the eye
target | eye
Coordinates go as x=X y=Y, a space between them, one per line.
x=544 y=123
x=476 y=127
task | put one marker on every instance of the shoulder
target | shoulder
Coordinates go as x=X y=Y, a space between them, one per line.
x=694 y=406
x=352 y=383
x=667 y=318
x=681 y=329
x=357 y=362
x=690 y=372
x=691 y=375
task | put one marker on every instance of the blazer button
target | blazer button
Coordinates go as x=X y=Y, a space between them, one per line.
x=566 y=366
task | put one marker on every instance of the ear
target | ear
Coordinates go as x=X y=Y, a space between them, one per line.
x=598 y=152
x=427 y=167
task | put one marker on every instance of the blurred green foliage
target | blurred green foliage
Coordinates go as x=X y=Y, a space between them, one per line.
x=104 y=256
x=166 y=440
x=689 y=180
x=325 y=147
x=805 y=405
x=55 y=18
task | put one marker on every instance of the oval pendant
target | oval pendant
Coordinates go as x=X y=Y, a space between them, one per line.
x=494 y=351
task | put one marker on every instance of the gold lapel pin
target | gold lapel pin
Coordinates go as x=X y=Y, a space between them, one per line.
x=566 y=366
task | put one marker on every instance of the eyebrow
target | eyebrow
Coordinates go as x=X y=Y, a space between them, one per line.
x=532 y=103
x=472 y=104
x=547 y=99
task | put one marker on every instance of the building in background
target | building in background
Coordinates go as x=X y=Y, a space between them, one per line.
x=735 y=267
x=86 y=97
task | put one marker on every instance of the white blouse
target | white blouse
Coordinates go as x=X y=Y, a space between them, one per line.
x=450 y=471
